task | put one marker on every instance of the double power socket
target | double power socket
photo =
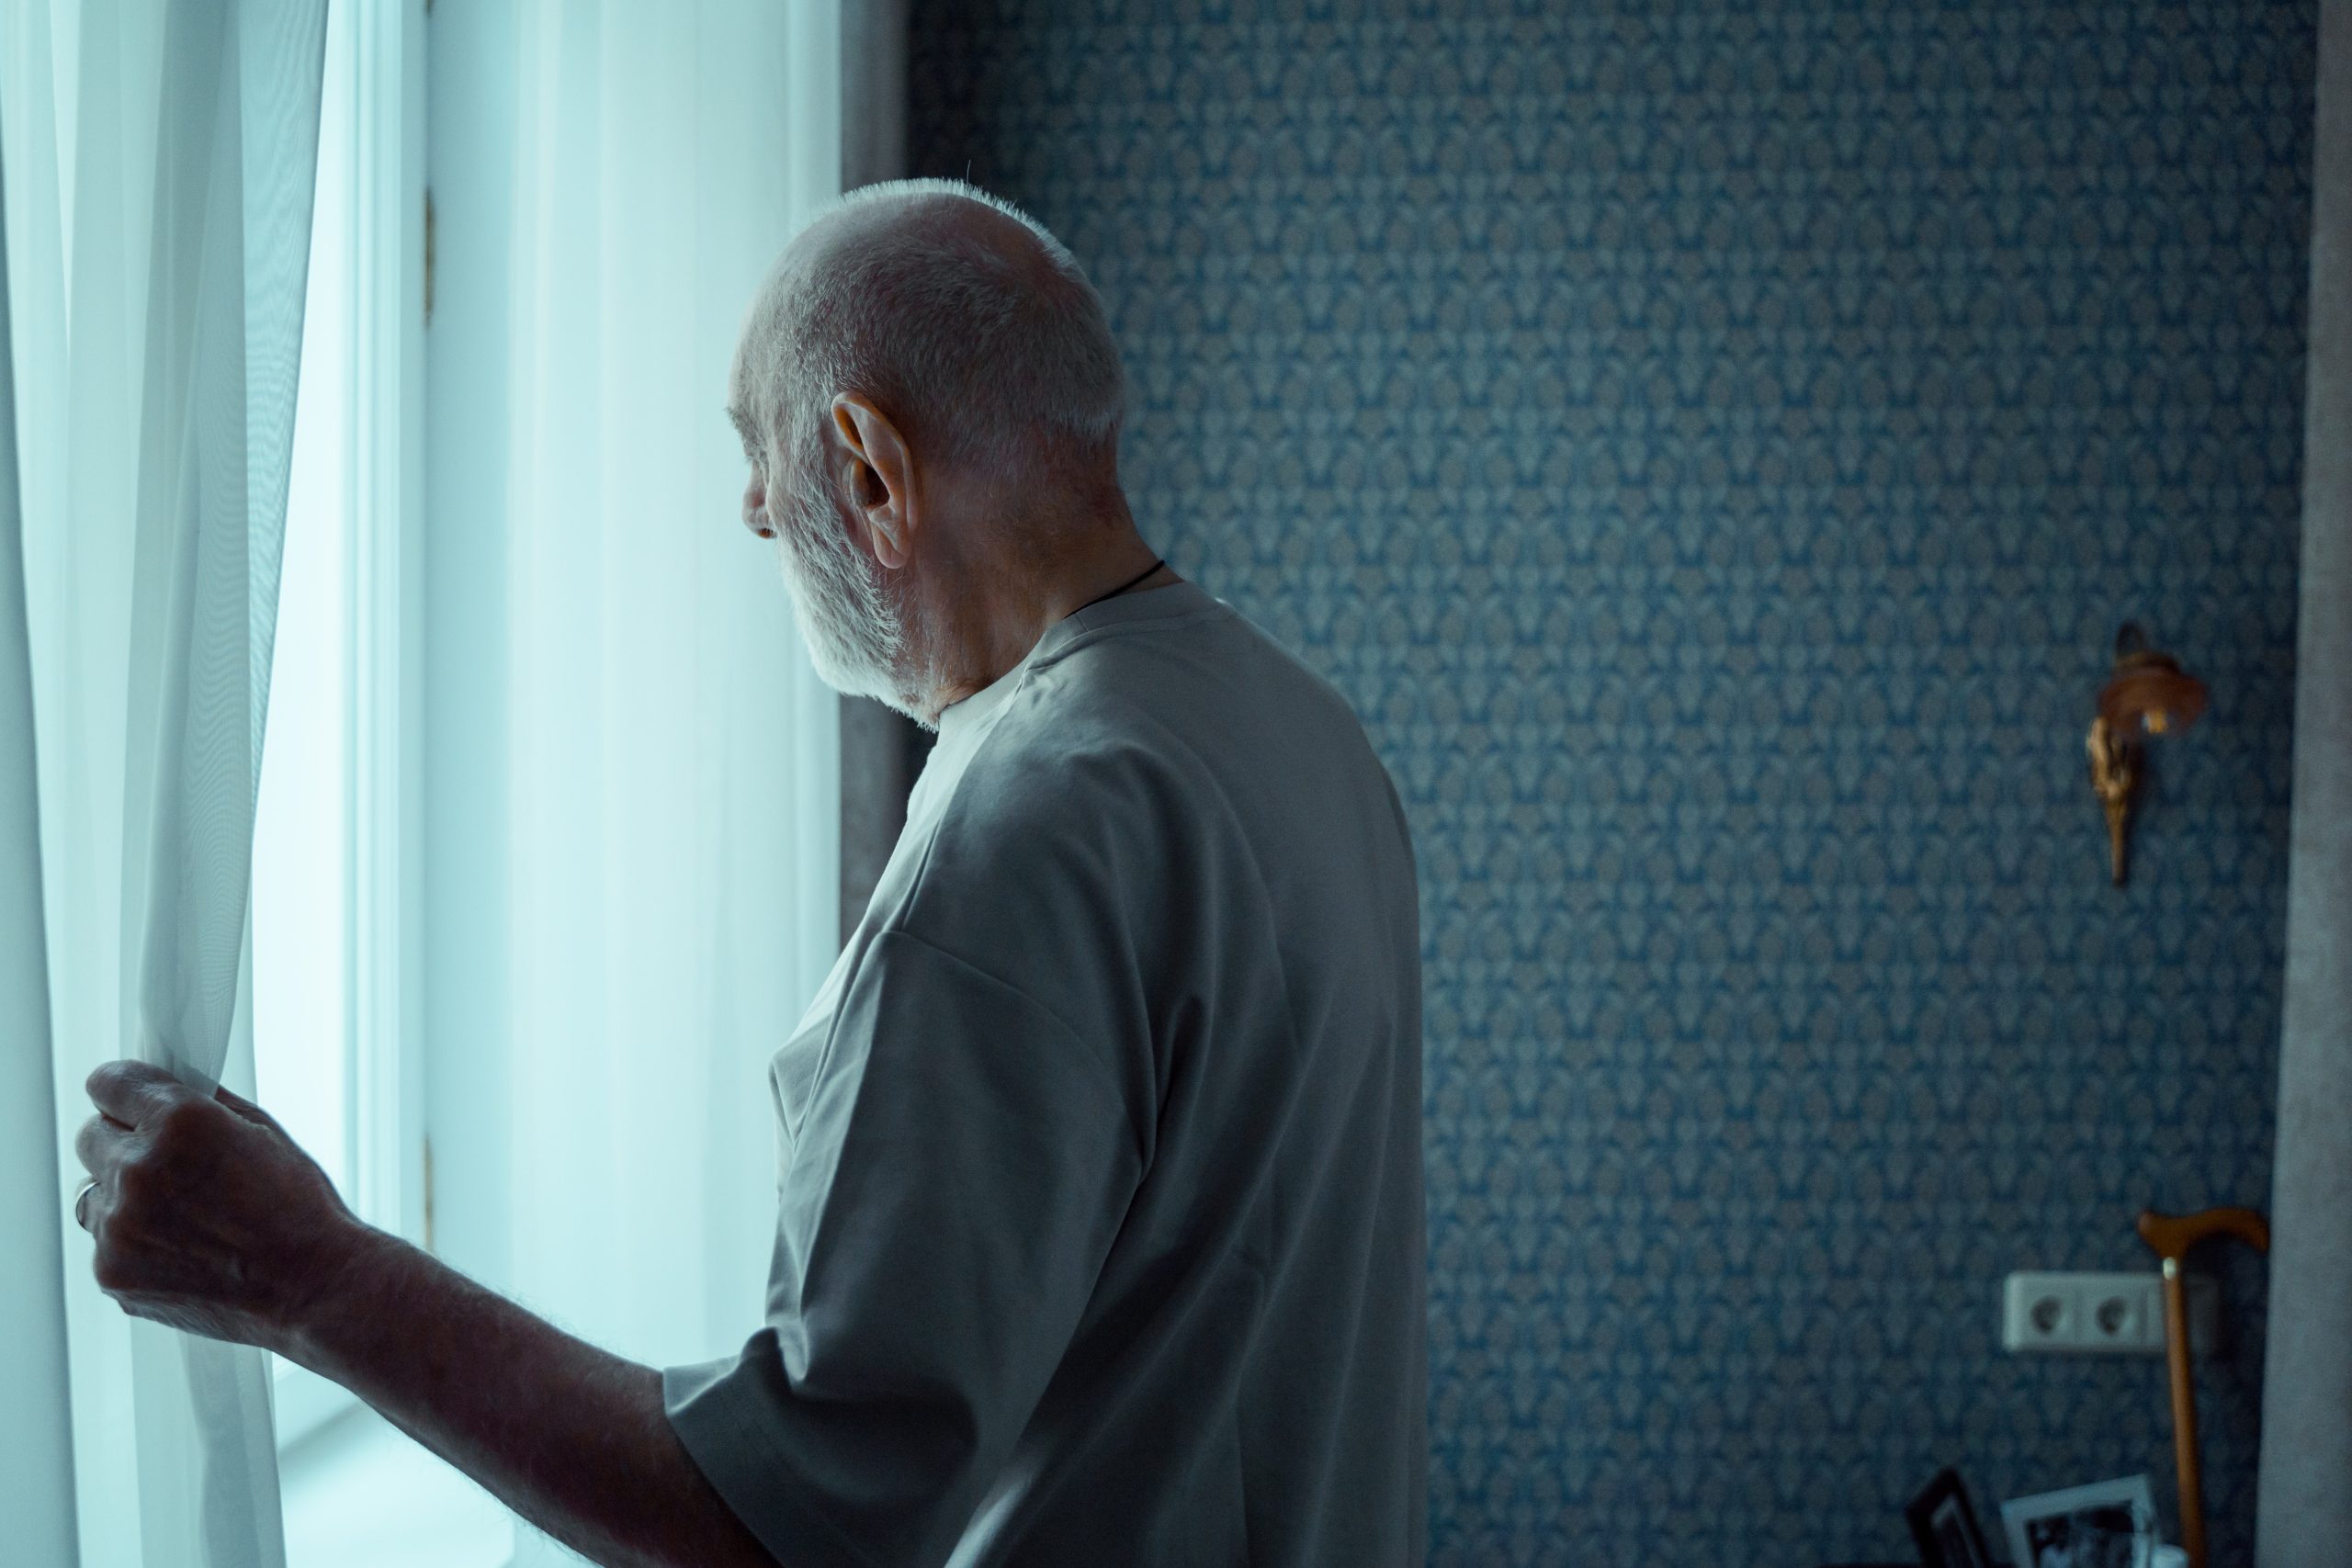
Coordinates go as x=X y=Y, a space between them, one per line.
x=2101 y=1314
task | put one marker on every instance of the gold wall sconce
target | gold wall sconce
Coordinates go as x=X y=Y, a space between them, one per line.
x=2149 y=695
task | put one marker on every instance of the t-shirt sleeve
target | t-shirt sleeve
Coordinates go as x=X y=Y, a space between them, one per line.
x=955 y=1180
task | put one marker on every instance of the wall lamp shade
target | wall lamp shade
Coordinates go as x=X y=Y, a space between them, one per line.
x=2148 y=696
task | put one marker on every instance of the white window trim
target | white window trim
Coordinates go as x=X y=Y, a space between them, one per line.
x=385 y=1097
x=388 y=477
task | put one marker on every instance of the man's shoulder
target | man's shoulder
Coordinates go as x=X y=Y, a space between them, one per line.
x=1072 y=764
x=1189 y=685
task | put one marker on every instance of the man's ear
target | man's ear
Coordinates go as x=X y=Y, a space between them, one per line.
x=880 y=478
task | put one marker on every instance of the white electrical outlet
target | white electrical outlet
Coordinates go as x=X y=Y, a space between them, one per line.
x=2100 y=1314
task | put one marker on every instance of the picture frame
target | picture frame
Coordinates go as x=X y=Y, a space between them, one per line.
x=1943 y=1524
x=2109 y=1524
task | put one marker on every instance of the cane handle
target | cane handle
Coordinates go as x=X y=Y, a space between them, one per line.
x=2171 y=1235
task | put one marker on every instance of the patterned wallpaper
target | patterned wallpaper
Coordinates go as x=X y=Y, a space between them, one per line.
x=1714 y=445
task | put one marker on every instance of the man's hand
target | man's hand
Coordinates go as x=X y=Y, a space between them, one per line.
x=207 y=1216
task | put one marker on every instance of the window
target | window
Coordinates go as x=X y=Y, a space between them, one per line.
x=633 y=785
x=329 y=892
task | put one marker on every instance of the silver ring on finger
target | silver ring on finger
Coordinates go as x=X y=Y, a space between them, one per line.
x=81 y=1204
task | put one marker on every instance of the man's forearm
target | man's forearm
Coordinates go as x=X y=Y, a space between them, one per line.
x=572 y=1439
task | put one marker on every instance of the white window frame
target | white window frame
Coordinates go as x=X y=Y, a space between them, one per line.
x=381 y=44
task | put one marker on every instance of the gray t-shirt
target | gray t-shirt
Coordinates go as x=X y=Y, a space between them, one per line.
x=1100 y=1237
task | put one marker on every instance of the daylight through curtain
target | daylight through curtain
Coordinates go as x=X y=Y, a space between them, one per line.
x=159 y=161
x=632 y=768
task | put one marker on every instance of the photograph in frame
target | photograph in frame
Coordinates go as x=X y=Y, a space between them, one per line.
x=2109 y=1524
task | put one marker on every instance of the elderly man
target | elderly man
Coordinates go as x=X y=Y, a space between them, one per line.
x=1100 y=1236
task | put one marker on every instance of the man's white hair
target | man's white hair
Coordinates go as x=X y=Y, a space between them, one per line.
x=980 y=352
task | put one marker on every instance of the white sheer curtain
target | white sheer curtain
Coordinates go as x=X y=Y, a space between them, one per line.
x=159 y=162
x=36 y=1459
x=633 y=800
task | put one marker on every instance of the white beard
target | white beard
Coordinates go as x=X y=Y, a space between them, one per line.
x=857 y=637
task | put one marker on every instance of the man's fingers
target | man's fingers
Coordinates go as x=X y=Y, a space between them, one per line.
x=244 y=1107
x=133 y=1092
x=102 y=1144
x=91 y=1213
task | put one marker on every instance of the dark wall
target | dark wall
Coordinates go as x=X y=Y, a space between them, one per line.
x=1713 y=447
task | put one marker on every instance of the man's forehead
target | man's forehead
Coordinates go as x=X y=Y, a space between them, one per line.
x=739 y=403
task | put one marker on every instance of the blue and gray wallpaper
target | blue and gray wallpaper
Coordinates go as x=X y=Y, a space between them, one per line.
x=1713 y=447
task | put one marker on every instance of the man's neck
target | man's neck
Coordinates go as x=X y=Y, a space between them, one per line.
x=998 y=628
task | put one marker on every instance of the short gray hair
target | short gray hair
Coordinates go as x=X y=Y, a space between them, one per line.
x=989 y=356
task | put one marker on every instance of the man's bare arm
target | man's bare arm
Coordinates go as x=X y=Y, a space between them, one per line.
x=208 y=1217
x=570 y=1437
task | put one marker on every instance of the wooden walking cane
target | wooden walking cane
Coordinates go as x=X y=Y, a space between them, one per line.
x=2170 y=1237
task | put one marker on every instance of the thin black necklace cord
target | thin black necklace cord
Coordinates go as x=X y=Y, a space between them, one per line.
x=1156 y=564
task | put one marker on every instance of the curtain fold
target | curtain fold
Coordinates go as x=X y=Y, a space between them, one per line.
x=2304 y=1505
x=162 y=233
x=36 y=1452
